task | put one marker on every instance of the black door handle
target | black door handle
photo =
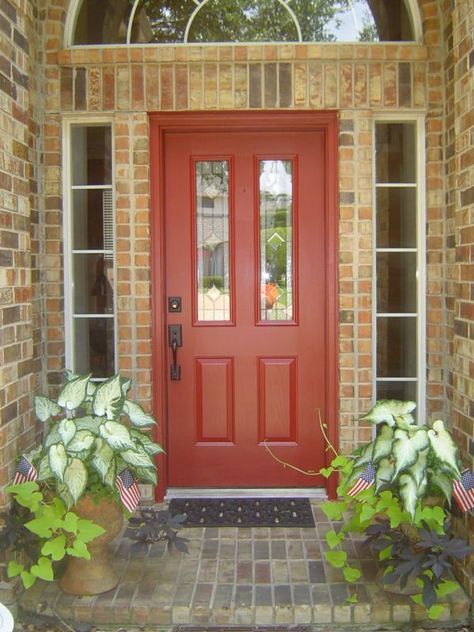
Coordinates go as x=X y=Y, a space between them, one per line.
x=175 y=340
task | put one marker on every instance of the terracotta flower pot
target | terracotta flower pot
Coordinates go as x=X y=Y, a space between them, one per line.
x=97 y=575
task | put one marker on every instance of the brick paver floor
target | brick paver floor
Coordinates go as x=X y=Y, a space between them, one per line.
x=241 y=577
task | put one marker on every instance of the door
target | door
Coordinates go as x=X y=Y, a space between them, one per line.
x=246 y=286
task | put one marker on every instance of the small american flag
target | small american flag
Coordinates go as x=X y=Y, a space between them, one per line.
x=24 y=472
x=463 y=490
x=365 y=480
x=128 y=489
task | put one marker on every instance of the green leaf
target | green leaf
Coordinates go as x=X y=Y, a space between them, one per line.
x=14 y=568
x=365 y=457
x=441 y=481
x=67 y=430
x=40 y=526
x=385 y=553
x=137 y=458
x=435 y=611
x=55 y=548
x=339 y=461
x=352 y=599
x=87 y=530
x=64 y=494
x=418 y=598
x=109 y=398
x=52 y=436
x=126 y=384
x=145 y=475
x=28 y=579
x=367 y=513
x=446 y=587
x=405 y=421
x=44 y=471
x=409 y=493
x=75 y=478
x=89 y=423
x=383 y=443
x=117 y=436
x=70 y=522
x=73 y=393
x=418 y=469
x=137 y=415
x=334 y=509
x=43 y=570
x=383 y=473
x=351 y=574
x=57 y=460
x=443 y=446
x=144 y=440
x=334 y=539
x=45 y=408
x=396 y=516
x=336 y=558
x=326 y=471
x=385 y=410
x=102 y=459
x=82 y=441
x=79 y=549
x=406 y=448
x=434 y=516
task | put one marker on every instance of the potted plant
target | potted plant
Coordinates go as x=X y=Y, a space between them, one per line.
x=95 y=449
x=397 y=490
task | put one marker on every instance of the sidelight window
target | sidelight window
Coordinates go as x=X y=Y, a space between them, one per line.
x=399 y=311
x=89 y=251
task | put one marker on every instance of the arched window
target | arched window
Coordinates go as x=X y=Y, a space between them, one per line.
x=218 y=21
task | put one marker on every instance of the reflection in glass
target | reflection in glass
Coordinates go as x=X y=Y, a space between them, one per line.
x=93 y=284
x=396 y=217
x=397 y=390
x=91 y=154
x=93 y=219
x=396 y=347
x=396 y=282
x=395 y=145
x=94 y=346
x=276 y=239
x=212 y=240
x=102 y=22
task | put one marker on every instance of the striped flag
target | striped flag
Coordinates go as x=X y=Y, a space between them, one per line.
x=128 y=489
x=24 y=472
x=463 y=490
x=365 y=480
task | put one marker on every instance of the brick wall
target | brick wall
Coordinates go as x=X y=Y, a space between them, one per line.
x=20 y=234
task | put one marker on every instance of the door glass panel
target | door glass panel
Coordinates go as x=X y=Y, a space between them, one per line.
x=93 y=284
x=276 y=240
x=212 y=240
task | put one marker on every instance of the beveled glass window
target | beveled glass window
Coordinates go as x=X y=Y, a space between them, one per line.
x=398 y=307
x=212 y=230
x=276 y=251
x=183 y=21
x=90 y=258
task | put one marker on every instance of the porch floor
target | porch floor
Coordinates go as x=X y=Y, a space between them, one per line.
x=242 y=577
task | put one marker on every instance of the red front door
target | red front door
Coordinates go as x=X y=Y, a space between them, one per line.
x=245 y=258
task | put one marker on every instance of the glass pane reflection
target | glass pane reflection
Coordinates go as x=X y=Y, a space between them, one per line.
x=91 y=155
x=396 y=282
x=212 y=240
x=396 y=217
x=395 y=145
x=276 y=240
x=397 y=390
x=94 y=346
x=396 y=347
x=93 y=219
x=93 y=284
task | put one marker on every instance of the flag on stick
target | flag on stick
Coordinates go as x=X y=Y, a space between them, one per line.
x=365 y=480
x=128 y=489
x=463 y=490
x=24 y=472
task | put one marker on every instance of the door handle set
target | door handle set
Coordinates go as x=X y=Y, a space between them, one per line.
x=175 y=340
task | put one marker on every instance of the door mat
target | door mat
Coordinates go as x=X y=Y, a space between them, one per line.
x=244 y=512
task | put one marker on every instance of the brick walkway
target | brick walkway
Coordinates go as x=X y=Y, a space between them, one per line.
x=240 y=577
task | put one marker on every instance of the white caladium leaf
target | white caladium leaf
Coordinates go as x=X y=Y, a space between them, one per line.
x=75 y=478
x=441 y=481
x=126 y=384
x=144 y=440
x=103 y=458
x=67 y=430
x=91 y=388
x=418 y=470
x=385 y=410
x=57 y=460
x=45 y=408
x=137 y=415
x=365 y=457
x=406 y=448
x=73 y=393
x=88 y=423
x=65 y=495
x=443 y=446
x=111 y=475
x=138 y=458
x=52 y=437
x=108 y=398
x=383 y=443
x=404 y=421
x=384 y=473
x=145 y=475
x=81 y=442
x=117 y=436
x=44 y=471
x=409 y=493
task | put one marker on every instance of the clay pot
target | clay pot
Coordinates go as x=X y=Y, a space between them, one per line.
x=97 y=575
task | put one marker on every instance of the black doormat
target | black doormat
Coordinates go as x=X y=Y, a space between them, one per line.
x=244 y=512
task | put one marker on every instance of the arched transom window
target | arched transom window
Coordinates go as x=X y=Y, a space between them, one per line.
x=219 y=21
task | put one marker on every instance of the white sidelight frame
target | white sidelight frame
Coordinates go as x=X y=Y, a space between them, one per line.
x=70 y=317
x=418 y=120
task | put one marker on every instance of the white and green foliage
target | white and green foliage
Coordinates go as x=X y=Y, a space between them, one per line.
x=92 y=433
x=55 y=531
